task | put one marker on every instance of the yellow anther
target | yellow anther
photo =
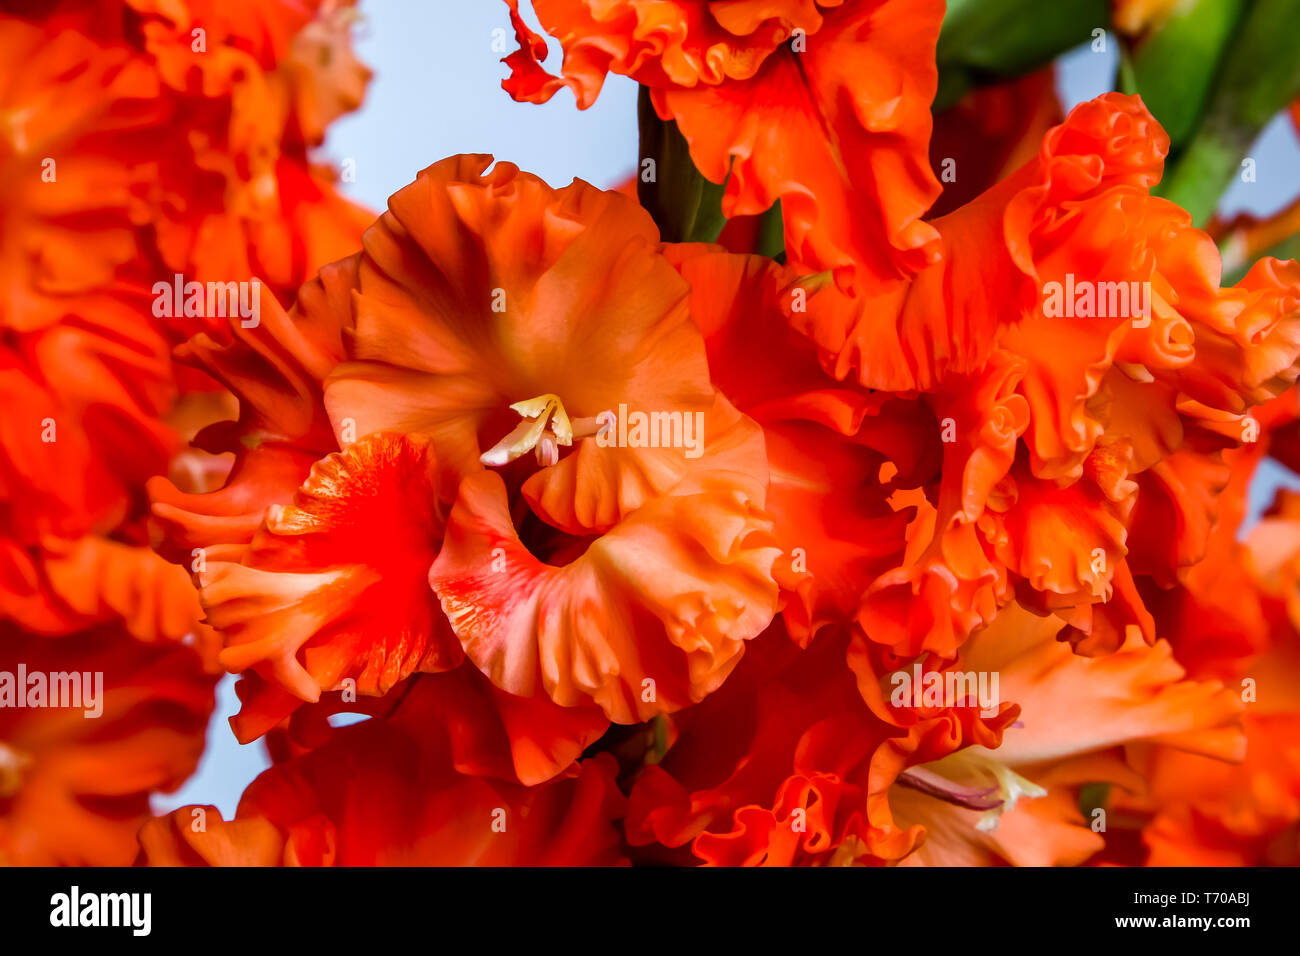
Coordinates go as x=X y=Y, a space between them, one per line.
x=545 y=427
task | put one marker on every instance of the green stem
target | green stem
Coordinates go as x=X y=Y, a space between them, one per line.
x=1259 y=77
x=686 y=206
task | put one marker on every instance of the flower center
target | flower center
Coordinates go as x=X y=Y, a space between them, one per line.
x=940 y=779
x=545 y=427
x=12 y=764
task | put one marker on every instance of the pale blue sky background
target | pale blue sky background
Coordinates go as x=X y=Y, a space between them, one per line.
x=436 y=92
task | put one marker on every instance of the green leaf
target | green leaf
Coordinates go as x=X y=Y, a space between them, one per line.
x=1013 y=37
x=1174 y=65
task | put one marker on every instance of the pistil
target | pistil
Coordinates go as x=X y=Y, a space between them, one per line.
x=938 y=779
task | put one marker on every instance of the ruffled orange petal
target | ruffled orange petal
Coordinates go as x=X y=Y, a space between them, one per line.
x=854 y=92
x=96 y=580
x=815 y=821
x=857 y=103
x=947 y=586
x=949 y=319
x=605 y=627
x=744 y=770
x=655 y=43
x=334 y=587
x=183 y=838
x=826 y=496
x=276 y=370
x=86 y=398
x=70 y=106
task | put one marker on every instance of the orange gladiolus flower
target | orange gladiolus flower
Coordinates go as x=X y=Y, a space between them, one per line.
x=1081 y=721
x=94 y=191
x=490 y=324
x=121 y=166
x=245 y=92
x=1068 y=423
x=536 y=539
x=851 y=83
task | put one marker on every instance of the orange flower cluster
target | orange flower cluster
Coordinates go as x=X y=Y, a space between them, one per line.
x=142 y=144
x=915 y=546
